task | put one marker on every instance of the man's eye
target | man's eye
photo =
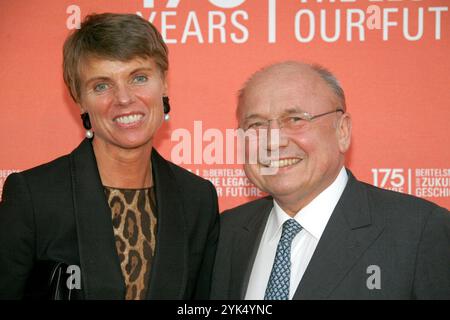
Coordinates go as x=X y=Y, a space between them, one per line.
x=256 y=125
x=101 y=87
x=294 y=119
x=140 y=79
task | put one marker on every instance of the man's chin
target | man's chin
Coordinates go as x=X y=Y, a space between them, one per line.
x=281 y=191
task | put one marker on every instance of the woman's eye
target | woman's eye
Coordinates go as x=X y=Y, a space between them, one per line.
x=100 y=87
x=140 y=79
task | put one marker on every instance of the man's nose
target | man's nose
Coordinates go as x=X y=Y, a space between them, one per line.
x=275 y=136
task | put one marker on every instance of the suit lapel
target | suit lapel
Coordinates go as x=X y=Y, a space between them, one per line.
x=100 y=268
x=246 y=243
x=349 y=232
x=169 y=268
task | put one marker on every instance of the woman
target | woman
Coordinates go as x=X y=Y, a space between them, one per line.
x=137 y=225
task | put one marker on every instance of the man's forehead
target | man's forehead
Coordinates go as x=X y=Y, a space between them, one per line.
x=301 y=81
x=290 y=90
x=286 y=86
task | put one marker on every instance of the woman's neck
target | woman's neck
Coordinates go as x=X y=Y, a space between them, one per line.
x=123 y=168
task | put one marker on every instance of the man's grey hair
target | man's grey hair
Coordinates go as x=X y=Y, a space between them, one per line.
x=332 y=82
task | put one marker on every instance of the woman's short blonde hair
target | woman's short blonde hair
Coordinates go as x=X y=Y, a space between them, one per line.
x=111 y=36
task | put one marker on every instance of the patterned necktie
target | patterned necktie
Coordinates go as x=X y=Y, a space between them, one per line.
x=279 y=281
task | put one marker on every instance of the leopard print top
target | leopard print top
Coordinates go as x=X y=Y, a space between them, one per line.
x=134 y=222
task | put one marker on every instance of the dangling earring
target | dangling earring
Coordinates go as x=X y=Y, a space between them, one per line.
x=87 y=125
x=166 y=105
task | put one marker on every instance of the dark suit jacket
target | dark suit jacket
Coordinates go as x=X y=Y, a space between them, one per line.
x=406 y=237
x=58 y=211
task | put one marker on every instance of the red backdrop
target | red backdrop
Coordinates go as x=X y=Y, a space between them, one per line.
x=392 y=58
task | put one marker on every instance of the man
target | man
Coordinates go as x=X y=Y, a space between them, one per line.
x=322 y=234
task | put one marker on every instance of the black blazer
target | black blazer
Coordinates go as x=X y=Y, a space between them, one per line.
x=58 y=211
x=406 y=237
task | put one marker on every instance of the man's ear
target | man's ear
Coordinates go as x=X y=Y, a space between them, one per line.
x=344 y=132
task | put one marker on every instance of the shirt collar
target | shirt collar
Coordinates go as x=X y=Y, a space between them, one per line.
x=314 y=216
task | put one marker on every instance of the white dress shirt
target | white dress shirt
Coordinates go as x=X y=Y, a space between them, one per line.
x=313 y=218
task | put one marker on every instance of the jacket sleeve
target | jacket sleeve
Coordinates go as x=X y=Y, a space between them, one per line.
x=203 y=286
x=432 y=274
x=17 y=237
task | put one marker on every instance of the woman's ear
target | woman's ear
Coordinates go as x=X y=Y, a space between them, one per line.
x=166 y=87
x=82 y=109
